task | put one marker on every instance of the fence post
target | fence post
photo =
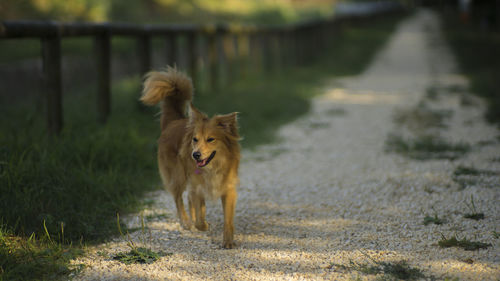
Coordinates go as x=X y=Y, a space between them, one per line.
x=256 y=51
x=235 y=60
x=297 y=48
x=303 y=41
x=222 y=57
x=243 y=53
x=144 y=51
x=277 y=49
x=171 y=48
x=230 y=47
x=192 y=55
x=291 y=48
x=51 y=56
x=215 y=57
x=267 y=48
x=103 y=64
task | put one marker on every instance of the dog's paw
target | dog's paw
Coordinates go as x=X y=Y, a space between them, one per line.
x=186 y=224
x=203 y=226
x=228 y=245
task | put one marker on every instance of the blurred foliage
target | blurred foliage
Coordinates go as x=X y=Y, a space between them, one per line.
x=201 y=11
x=478 y=53
x=74 y=10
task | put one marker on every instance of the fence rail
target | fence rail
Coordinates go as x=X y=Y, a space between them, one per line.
x=284 y=45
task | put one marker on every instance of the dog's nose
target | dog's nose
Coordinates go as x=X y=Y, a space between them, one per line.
x=196 y=155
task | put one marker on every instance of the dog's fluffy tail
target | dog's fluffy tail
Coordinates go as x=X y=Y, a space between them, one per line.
x=172 y=87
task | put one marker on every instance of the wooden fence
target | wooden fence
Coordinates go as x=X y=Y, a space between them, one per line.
x=280 y=46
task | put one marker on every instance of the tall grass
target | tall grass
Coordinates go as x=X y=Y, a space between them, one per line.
x=82 y=178
x=31 y=258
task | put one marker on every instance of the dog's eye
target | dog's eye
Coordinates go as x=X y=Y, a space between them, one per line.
x=210 y=139
x=195 y=139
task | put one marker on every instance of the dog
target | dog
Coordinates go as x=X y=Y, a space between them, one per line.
x=195 y=153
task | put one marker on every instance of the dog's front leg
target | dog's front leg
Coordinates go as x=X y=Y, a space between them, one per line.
x=198 y=211
x=229 y=205
x=181 y=212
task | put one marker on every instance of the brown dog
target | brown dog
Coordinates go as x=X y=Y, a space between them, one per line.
x=195 y=152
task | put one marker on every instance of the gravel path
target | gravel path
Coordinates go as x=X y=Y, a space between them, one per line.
x=328 y=194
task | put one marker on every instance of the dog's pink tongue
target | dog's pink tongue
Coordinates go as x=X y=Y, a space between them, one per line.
x=201 y=163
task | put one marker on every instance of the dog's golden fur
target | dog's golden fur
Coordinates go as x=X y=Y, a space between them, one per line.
x=195 y=153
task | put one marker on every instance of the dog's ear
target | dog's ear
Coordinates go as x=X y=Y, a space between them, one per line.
x=195 y=114
x=229 y=123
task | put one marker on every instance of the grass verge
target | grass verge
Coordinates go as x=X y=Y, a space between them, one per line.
x=463 y=243
x=422 y=117
x=425 y=147
x=473 y=213
x=399 y=270
x=78 y=180
x=467 y=176
x=82 y=178
x=144 y=255
x=23 y=258
x=138 y=255
x=478 y=55
x=434 y=220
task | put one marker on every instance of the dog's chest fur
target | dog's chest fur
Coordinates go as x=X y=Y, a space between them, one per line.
x=209 y=182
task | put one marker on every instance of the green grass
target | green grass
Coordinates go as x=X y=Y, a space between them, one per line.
x=82 y=178
x=28 y=258
x=432 y=93
x=434 y=220
x=138 y=255
x=463 y=243
x=425 y=147
x=144 y=255
x=473 y=213
x=478 y=55
x=474 y=216
x=471 y=171
x=467 y=176
x=463 y=170
x=157 y=217
x=422 y=117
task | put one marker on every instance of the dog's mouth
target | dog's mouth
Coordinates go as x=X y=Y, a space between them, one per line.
x=203 y=162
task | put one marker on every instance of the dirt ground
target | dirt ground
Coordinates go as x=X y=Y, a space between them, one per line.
x=328 y=200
